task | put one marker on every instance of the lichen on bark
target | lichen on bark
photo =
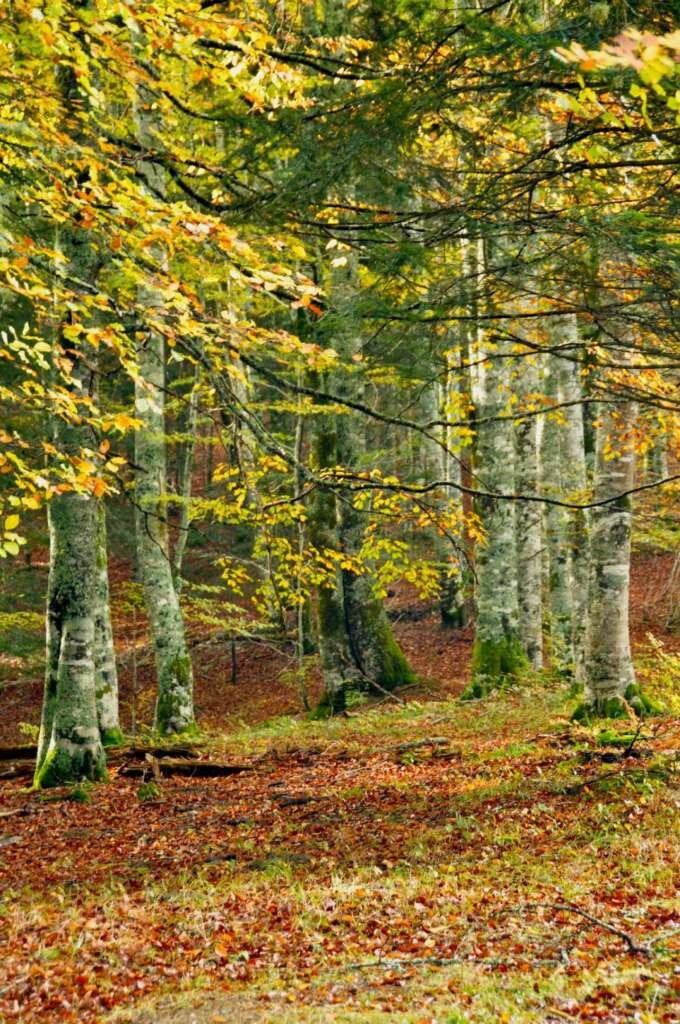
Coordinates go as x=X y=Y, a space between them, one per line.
x=497 y=640
x=69 y=745
x=609 y=672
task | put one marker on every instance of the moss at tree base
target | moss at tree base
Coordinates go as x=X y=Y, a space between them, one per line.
x=112 y=738
x=495 y=664
x=396 y=670
x=61 y=768
x=618 y=707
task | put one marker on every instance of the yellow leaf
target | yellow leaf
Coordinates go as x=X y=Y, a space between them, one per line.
x=12 y=522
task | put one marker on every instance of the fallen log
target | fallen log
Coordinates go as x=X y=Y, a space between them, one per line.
x=116 y=754
x=24 y=752
x=17 y=771
x=181 y=766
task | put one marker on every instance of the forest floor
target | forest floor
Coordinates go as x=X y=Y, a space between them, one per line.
x=420 y=861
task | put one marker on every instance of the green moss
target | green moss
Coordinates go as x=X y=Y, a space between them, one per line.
x=618 y=707
x=612 y=738
x=643 y=705
x=80 y=794
x=396 y=670
x=60 y=768
x=495 y=663
x=452 y=618
x=148 y=791
x=112 y=738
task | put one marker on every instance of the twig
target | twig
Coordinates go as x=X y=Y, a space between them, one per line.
x=632 y=945
x=387 y=693
x=660 y=938
x=429 y=741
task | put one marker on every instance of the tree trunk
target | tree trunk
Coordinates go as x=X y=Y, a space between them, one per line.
x=529 y=522
x=106 y=676
x=610 y=676
x=497 y=653
x=558 y=589
x=69 y=746
x=174 y=705
x=375 y=651
x=184 y=481
x=452 y=609
x=342 y=677
x=574 y=482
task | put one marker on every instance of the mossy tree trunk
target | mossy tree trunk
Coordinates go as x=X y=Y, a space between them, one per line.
x=609 y=672
x=342 y=677
x=371 y=639
x=558 y=590
x=174 y=704
x=106 y=675
x=70 y=747
x=529 y=522
x=497 y=654
x=356 y=642
x=574 y=482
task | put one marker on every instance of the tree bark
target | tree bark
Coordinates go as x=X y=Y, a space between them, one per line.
x=106 y=675
x=574 y=482
x=174 y=705
x=342 y=678
x=609 y=672
x=184 y=481
x=69 y=746
x=552 y=486
x=529 y=523
x=497 y=654
x=371 y=639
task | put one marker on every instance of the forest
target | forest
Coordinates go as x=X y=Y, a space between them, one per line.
x=339 y=529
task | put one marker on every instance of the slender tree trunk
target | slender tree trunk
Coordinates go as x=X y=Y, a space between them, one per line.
x=371 y=639
x=174 y=705
x=184 y=482
x=657 y=458
x=497 y=652
x=609 y=671
x=69 y=746
x=574 y=482
x=609 y=667
x=106 y=675
x=529 y=522
x=558 y=589
x=342 y=677
x=452 y=595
